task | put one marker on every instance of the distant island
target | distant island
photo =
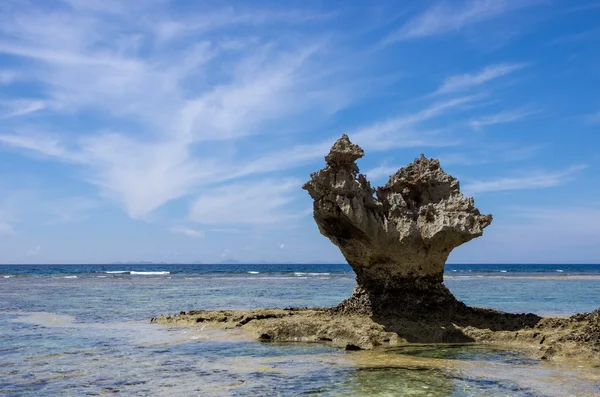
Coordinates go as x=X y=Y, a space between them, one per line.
x=229 y=262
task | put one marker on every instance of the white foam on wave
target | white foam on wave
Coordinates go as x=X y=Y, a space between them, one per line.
x=118 y=272
x=101 y=276
x=502 y=271
x=9 y=276
x=70 y=277
x=149 y=273
x=259 y=278
x=560 y=271
x=300 y=274
x=253 y=272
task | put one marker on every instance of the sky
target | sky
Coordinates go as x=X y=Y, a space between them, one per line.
x=179 y=131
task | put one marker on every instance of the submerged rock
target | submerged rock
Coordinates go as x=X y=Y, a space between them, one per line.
x=397 y=237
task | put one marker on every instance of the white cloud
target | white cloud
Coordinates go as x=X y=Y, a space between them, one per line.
x=396 y=132
x=281 y=246
x=508 y=116
x=451 y=17
x=33 y=251
x=67 y=209
x=593 y=118
x=383 y=171
x=8 y=76
x=534 y=180
x=109 y=6
x=540 y=234
x=142 y=176
x=42 y=144
x=229 y=16
x=264 y=91
x=23 y=107
x=6 y=228
x=585 y=7
x=177 y=117
x=174 y=101
x=187 y=231
x=19 y=205
x=498 y=153
x=260 y=202
x=406 y=131
x=575 y=37
x=467 y=81
x=286 y=158
x=9 y=210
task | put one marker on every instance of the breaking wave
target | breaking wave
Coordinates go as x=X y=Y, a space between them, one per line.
x=149 y=273
x=141 y=273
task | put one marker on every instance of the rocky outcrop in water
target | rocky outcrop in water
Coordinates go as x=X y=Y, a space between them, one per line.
x=396 y=237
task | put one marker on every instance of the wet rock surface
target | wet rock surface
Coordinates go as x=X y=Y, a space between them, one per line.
x=573 y=338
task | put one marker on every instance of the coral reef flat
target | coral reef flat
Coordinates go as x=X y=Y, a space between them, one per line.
x=397 y=239
x=572 y=338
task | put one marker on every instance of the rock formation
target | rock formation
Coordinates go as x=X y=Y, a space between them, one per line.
x=396 y=237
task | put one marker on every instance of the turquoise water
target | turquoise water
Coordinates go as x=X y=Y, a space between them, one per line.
x=83 y=330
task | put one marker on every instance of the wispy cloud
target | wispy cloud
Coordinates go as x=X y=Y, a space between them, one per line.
x=263 y=202
x=6 y=228
x=33 y=251
x=403 y=131
x=179 y=111
x=186 y=231
x=229 y=16
x=9 y=211
x=468 y=81
x=508 y=116
x=39 y=143
x=541 y=234
x=593 y=118
x=450 y=17
x=534 y=180
x=175 y=117
x=16 y=108
x=498 y=153
x=67 y=209
x=176 y=173
x=21 y=205
x=383 y=171
x=407 y=130
x=8 y=76
x=584 y=7
x=575 y=37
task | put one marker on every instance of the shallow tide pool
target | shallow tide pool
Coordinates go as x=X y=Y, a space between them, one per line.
x=90 y=335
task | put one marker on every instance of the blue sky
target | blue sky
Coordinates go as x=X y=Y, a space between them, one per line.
x=182 y=131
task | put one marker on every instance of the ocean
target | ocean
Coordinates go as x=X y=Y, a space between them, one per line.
x=73 y=330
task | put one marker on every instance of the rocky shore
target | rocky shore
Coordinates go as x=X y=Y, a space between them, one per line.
x=397 y=239
x=573 y=338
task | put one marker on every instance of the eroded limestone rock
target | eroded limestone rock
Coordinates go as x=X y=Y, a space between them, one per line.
x=396 y=237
